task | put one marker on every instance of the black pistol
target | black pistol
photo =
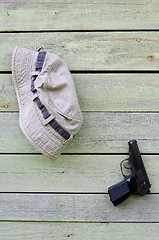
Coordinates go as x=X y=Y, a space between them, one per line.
x=136 y=182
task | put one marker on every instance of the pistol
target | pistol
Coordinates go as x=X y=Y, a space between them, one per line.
x=136 y=182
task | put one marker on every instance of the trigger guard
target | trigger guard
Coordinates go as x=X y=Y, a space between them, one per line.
x=121 y=167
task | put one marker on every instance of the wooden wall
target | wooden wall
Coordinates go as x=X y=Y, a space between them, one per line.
x=111 y=48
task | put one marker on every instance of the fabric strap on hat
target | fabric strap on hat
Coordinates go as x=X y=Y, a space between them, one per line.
x=53 y=123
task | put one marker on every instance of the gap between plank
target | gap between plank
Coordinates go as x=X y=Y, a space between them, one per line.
x=74 y=222
x=104 y=72
x=80 y=154
x=67 y=193
x=80 y=30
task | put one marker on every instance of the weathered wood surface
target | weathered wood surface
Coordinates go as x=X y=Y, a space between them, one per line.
x=76 y=231
x=58 y=199
x=78 y=208
x=101 y=92
x=78 y=15
x=89 y=50
x=90 y=173
x=101 y=132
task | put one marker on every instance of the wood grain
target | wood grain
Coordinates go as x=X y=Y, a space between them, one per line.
x=103 y=51
x=101 y=132
x=100 y=92
x=63 y=231
x=78 y=208
x=67 y=198
x=35 y=15
x=90 y=173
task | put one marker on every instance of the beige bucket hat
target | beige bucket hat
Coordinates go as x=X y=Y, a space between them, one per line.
x=49 y=112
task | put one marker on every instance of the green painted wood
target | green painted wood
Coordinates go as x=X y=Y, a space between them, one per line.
x=89 y=50
x=8 y=99
x=76 y=231
x=90 y=173
x=88 y=15
x=78 y=207
x=101 y=133
x=100 y=92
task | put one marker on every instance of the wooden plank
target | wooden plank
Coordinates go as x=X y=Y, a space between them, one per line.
x=54 y=15
x=78 y=207
x=101 y=132
x=63 y=231
x=93 y=174
x=89 y=50
x=100 y=92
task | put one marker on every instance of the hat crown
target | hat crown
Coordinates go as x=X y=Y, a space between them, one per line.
x=56 y=88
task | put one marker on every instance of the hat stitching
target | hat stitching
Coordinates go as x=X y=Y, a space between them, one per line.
x=15 y=76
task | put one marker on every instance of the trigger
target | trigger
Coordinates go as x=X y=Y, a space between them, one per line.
x=129 y=168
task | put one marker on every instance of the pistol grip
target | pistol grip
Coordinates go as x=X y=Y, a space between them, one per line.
x=120 y=191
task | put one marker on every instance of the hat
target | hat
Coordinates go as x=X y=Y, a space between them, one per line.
x=49 y=112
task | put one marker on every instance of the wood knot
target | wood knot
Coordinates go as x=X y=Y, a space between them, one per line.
x=151 y=58
x=4 y=106
x=138 y=39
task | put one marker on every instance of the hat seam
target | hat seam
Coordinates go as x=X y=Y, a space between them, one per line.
x=14 y=75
